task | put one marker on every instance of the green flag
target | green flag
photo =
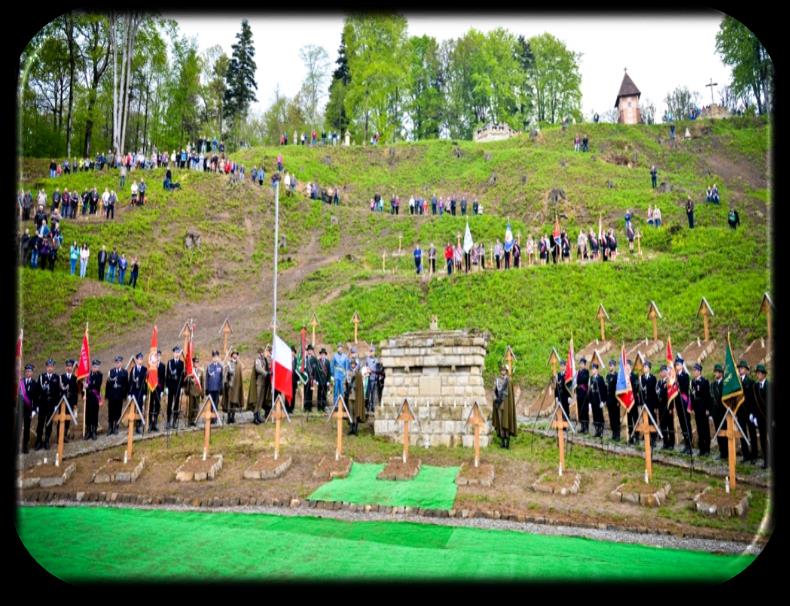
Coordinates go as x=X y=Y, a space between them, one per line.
x=732 y=392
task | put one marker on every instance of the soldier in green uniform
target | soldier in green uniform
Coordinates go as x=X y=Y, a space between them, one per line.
x=356 y=397
x=260 y=394
x=761 y=409
x=744 y=410
x=194 y=391
x=504 y=412
x=717 y=407
x=233 y=387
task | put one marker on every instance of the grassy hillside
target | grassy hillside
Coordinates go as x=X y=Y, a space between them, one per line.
x=533 y=309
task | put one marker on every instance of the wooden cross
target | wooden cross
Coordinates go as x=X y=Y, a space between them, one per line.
x=510 y=357
x=208 y=412
x=645 y=428
x=653 y=314
x=560 y=424
x=131 y=414
x=731 y=433
x=225 y=330
x=711 y=84
x=476 y=420
x=186 y=331
x=340 y=413
x=767 y=307
x=406 y=415
x=706 y=310
x=639 y=363
x=384 y=261
x=64 y=414
x=602 y=316
x=313 y=323
x=554 y=360
x=355 y=320
x=278 y=413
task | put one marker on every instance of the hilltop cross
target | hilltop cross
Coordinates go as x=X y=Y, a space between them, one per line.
x=711 y=84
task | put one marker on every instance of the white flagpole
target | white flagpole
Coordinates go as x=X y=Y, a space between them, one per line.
x=274 y=302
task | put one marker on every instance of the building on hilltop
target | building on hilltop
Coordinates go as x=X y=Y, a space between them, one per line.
x=628 y=102
x=494 y=132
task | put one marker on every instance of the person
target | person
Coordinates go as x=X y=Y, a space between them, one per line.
x=561 y=391
x=194 y=391
x=137 y=389
x=653 y=175
x=295 y=376
x=123 y=177
x=115 y=390
x=582 y=387
x=411 y=205
x=458 y=256
x=530 y=250
x=340 y=366
x=565 y=245
x=174 y=379
x=701 y=404
x=504 y=413
x=323 y=374
x=632 y=415
x=585 y=143
x=612 y=405
x=28 y=396
x=93 y=399
x=418 y=258
x=516 y=254
x=74 y=256
x=214 y=381
x=122 y=265
x=690 y=211
x=481 y=254
x=683 y=403
x=463 y=205
x=596 y=397
x=84 y=255
x=577 y=142
x=717 y=407
x=68 y=388
x=141 y=189
x=102 y=259
x=134 y=193
x=666 y=420
x=657 y=216
x=714 y=194
x=112 y=263
x=432 y=258
x=448 y=257
x=233 y=386
x=760 y=411
x=733 y=220
x=52 y=169
x=498 y=253
x=311 y=370
x=744 y=411
x=135 y=272
x=356 y=407
x=452 y=205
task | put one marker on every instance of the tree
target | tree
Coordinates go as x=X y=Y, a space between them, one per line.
x=425 y=87
x=335 y=113
x=647 y=111
x=240 y=77
x=526 y=60
x=123 y=31
x=555 y=80
x=752 y=67
x=316 y=61
x=681 y=103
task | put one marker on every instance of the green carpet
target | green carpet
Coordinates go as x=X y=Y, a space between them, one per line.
x=432 y=488
x=159 y=545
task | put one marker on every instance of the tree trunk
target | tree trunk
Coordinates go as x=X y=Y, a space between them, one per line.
x=89 y=122
x=70 y=38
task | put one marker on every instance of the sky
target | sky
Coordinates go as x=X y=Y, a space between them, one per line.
x=661 y=52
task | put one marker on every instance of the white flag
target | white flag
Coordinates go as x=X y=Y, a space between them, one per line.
x=468 y=242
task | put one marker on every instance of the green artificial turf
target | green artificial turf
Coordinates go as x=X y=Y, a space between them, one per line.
x=96 y=544
x=431 y=488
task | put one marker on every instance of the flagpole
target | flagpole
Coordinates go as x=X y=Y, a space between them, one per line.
x=274 y=295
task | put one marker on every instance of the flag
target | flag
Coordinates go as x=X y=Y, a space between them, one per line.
x=556 y=232
x=84 y=366
x=508 y=238
x=190 y=367
x=570 y=369
x=468 y=242
x=672 y=383
x=282 y=368
x=153 y=366
x=732 y=388
x=623 y=390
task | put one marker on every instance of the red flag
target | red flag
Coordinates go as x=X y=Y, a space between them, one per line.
x=283 y=377
x=84 y=366
x=190 y=368
x=153 y=366
x=570 y=369
x=672 y=384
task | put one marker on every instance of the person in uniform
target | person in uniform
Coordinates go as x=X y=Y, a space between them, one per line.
x=27 y=397
x=311 y=369
x=323 y=373
x=138 y=388
x=632 y=415
x=649 y=390
x=596 y=397
x=744 y=410
x=356 y=405
x=582 y=385
x=371 y=380
x=48 y=397
x=717 y=407
x=233 y=386
x=612 y=405
x=666 y=421
x=214 y=380
x=701 y=404
x=174 y=379
x=260 y=392
x=156 y=393
x=116 y=389
x=683 y=403
x=340 y=366
x=561 y=393
x=93 y=400
x=289 y=406
x=68 y=386
x=504 y=412
x=194 y=391
x=761 y=409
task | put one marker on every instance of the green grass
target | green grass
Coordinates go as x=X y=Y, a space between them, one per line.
x=154 y=545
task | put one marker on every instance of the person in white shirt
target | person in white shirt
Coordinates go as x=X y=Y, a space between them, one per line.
x=84 y=255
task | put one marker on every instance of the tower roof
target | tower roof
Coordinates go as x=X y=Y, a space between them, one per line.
x=627 y=89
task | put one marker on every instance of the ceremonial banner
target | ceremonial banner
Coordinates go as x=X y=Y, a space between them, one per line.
x=508 y=238
x=672 y=383
x=190 y=367
x=468 y=242
x=153 y=365
x=556 y=232
x=732 y=388
x=282 y=368
x=623 y=391
x=570 y=370
x=84 y=366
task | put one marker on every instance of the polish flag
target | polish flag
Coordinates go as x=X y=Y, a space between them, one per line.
x=283 y=379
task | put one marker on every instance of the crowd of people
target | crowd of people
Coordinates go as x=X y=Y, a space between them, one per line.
x=311 y=138
x=455 y=204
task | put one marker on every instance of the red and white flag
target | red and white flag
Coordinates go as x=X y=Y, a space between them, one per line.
x=570 y=370
x=84 y=366
x=283 y=378
x=672 y=382
x=153 y=366
x=190 y=367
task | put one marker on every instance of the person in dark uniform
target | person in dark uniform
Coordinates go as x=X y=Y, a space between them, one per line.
x=632 y=415
x=93 y=400
x=504 y=412
x=582 y=386
x=356 y=398
x=648 y=390
x=138 y=389
x=311 y=368
x=701 y=404
x=561 y=393
x=48 y=397
x=596 y=398
x=322 y=379
x=68 y=386
x=666 y=421
x=761 y=409
x=612 y=405
x=174 y=379
x=214 y=380
x=27 y=398
x=717 y=407
x=682 y=404
x=116 y=389
x=744 y=410
x=156 y=394
x=289 y=406
x=257 y=392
